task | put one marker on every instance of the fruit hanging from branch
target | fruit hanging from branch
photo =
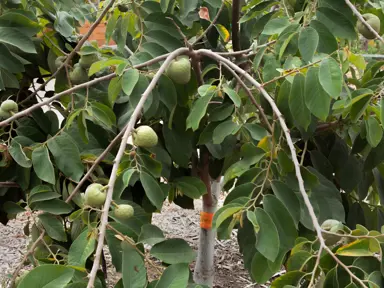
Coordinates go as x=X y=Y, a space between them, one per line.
x=86 y=61
x=94 y=195
x=145 y=137
x=373 y=21
x=78 y=75
x=180 y=70
x=124 y=211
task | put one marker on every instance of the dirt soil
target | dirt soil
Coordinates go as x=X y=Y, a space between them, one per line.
x=174 y=221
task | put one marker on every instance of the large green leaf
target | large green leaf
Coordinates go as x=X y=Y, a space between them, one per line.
x=268 y=243
x=225 y=212
x=151 y=234
x=283 y=221
x=82 y=248
x=18 y=155
x=260 y=270
x=337 y=23
x=308 y=41
x=67 y=156
x=316 y=99
x=130 y=78
x=152 y=189
x=55 y=206
x=133 y=268
x=175 y=276
x=42 y=193
x=9 y=62
x=331 y=77
x=14 y=37
x=192 y=187
x=223 y=130
x=48 y=275
x=374 y=131
x=42 y=164
x=173 y=251
x=327 y=42
x=297 y=102
x=54 y=226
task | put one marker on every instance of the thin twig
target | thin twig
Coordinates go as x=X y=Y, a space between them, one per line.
x=210 y=25
x=361 y=18
x=245 y=51
x=315 y=268
x=250 y=96
x=77 y=87
x=95 y=163
x=292 y=148
x=30 y=251
x=303 y=154
x=74 y=51
x=8 y=184
x=120 y=153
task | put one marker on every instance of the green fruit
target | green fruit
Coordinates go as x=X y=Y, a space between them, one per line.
x=373 y=21
x=59 y=61
x=78 y=75
x=86 y=61
x=124 y=212
x=4 y=114
x=328 y=224
x=144 y=136
x=9 y=106
x=180 y=70
x=94 y=196
x=333 y=226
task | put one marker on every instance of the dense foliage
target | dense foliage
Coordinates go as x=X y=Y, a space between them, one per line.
x=206 y=121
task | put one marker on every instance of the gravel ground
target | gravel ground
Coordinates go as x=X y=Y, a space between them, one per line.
x=174 y=221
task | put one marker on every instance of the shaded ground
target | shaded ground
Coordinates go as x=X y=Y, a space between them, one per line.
x=174 y=221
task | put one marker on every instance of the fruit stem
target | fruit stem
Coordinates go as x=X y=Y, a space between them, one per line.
x=104 y=188
x=115 y=204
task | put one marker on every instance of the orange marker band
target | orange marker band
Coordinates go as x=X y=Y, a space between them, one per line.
x=206 y=220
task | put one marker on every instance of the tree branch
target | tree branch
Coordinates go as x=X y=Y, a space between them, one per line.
x=250 y=96
x=120 y=153
x=245 y=51
x=77 y=48
x=77 y=87
x=293 y=154
x=235 y=25
x=210 y=25
x=30 y=251
x=361 y=18
x=8 y=184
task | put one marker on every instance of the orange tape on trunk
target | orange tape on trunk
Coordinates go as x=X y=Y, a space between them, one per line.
x=206 y=220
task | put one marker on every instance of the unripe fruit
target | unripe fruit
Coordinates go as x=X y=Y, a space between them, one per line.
x=78 y=75
x=4 y=114
x=144 y=136
x=373 y=21
x=124 y=212
x=59 y=61
x=333 y=226
x=9 y=106
x=94 y=196
x=86 y=61
x=180 y=70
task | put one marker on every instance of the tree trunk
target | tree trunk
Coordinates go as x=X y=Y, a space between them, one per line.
x=205 y=269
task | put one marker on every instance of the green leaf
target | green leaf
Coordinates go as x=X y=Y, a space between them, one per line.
x=152 y=189
x=297 y=105
x=151 y=234
x=82 y=248
x=358 y=248
x=232 y=94
x=288 y=198
x=225 y=212
x=223 y=130
x=290 y=278
x=18 y=155
x=173 y=251
x=374 y=131
x=42 y=164
x=129 y=80
x=276 y=26
x=337 y=23
x=175 y=276
x=258 y=57
x=15 y=38
x=174 y=139
x=164 y=5
x=331 y=78
x=82 y=126
x=12 y=208
x=358 y=108
x=268 y=243
x=199 y=109
x=127 y=176
x=56 y=207
x=260 y=270
x=133 y=268
x=67 y=156
x=64 y=24
x=308 y=41
x=42 y=193
x=103 y=114
x=192 y=187
x=327 y=42
x=9 y=62
x=114 y=89
x=382 y=111
x=150 y=165
x=100 y=65
x=283 y=221
x=257 y=132
x=167 y=91
x=316 y=99
x=54 y=226
x=47 y=275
